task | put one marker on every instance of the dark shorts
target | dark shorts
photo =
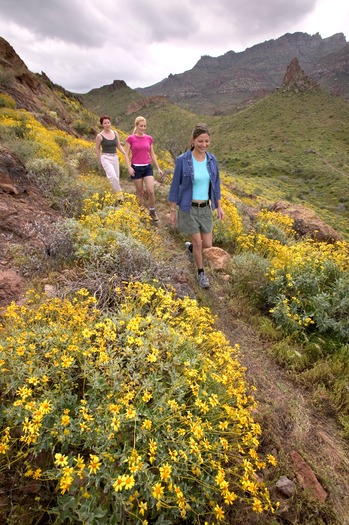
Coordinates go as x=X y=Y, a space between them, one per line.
x=196 y=220
x=142 y=171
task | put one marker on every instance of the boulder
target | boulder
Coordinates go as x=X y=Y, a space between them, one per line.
x=216 y=258
x=11 y=286
x=306 y=222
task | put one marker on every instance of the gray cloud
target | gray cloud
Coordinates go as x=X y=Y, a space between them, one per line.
x=65 y=20
x=260 y=16
x=80 y=44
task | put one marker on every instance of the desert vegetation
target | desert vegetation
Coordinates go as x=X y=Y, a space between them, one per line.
x=121 y=402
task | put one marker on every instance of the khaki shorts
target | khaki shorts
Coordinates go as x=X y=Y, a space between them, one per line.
x=196 y=220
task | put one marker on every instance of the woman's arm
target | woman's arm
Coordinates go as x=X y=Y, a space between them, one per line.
x=220 y=212
x=118 y=144
x=127 y=159
x=98 y=147
x=173 y=194
x=155 y=160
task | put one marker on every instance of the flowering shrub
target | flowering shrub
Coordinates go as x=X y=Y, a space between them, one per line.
x=7 y=101
x=261 y=244
x=308 y=288
x=112 y=242
x=137 y=417
x=100 y=220
x=248 y=278
x=275 y=225
x=50 y=144
x=226 y=232
x=281 y=220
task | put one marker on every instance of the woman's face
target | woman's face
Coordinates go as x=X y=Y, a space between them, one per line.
x=202 y=142
x=141 y=127
x=106 y=123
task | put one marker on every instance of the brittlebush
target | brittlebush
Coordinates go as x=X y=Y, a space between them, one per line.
x=143 y=415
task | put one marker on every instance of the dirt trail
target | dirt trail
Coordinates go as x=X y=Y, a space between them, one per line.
x=289 y=419
x=289 y=415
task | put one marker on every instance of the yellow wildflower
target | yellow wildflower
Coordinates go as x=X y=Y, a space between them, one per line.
x=165 y=472
x=61 y=460
x=143 y=506
x=94 y=464
x=119 y=484
x=219 y=512
x=158 y=491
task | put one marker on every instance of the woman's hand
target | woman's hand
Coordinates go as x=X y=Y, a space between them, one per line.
x=160 y=173
x=220 y=213
x=172 y=216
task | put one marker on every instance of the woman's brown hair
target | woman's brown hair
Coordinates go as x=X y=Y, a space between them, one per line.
x=104 y=117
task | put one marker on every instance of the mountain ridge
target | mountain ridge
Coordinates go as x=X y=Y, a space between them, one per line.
x=216 y=85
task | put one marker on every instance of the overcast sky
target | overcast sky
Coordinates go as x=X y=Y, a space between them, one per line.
x=85 y=44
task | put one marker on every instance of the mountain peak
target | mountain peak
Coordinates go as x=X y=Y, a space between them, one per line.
x=296 y=79
x=117 y=84
x=8 y=56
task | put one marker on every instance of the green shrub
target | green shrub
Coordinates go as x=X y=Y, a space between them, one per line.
x=47 y=174
x=108 y=260
x=7 y=77
x=314 y=298
x=330 y=308
x=248 y=277
x=58 y=184
x=272 y=231
x=87 y=161
x=55 y=253
x=22 y=148
x=81 y=127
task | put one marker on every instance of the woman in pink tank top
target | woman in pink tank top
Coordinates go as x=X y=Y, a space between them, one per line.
x=139 y=146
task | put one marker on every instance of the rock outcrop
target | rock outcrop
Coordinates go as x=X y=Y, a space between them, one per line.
x=23 y=214
x=306 y=222
x=33 y=92
x=296 y=80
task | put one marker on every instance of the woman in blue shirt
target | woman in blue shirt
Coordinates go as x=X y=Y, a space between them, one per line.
x=195 y=188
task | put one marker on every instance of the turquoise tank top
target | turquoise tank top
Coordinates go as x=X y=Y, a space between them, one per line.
x=201 y=180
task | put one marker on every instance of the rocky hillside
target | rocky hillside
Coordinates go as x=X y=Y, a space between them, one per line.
x=52 y=105
x=218 y=84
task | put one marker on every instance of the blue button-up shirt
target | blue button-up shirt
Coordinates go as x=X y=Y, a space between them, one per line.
x=181 y=190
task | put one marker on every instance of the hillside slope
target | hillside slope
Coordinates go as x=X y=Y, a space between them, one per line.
x=290 y=145
x=292 y=426
x=292 y=423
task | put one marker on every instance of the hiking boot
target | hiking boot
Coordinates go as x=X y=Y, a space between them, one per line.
x=203 y=280
x=189 y=251
x=153 y=215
